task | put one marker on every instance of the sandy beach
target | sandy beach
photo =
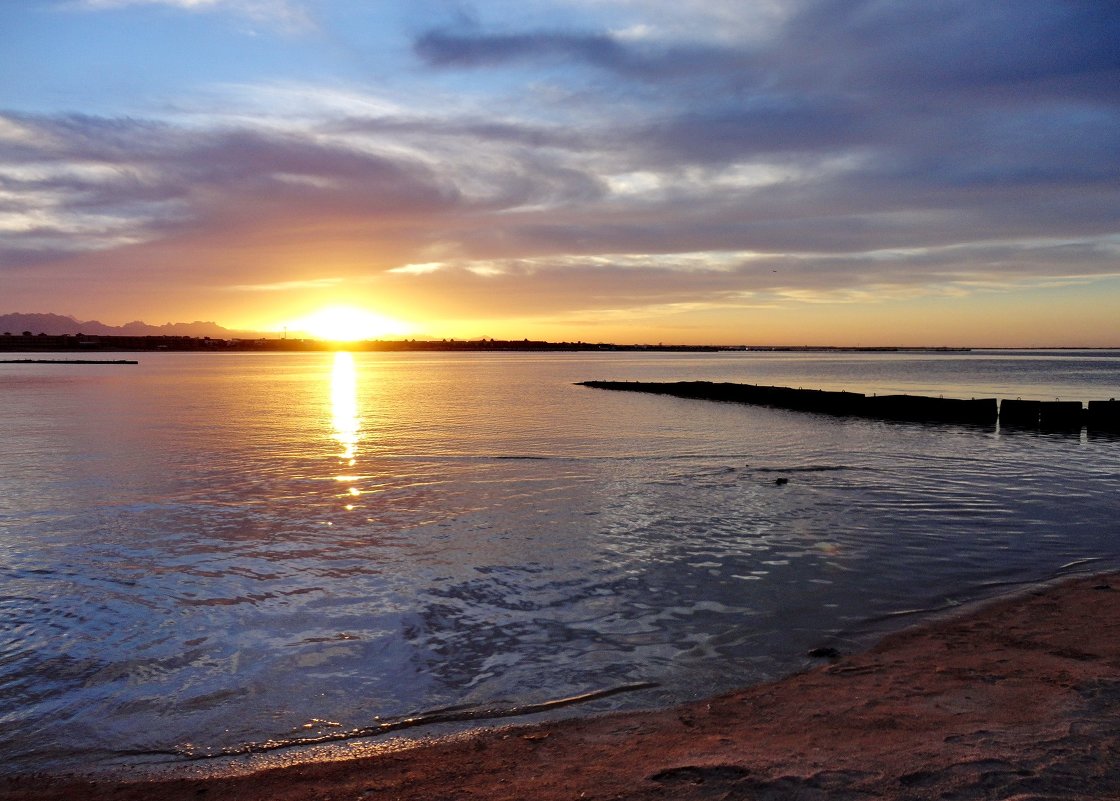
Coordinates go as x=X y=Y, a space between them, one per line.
x=1018 y=699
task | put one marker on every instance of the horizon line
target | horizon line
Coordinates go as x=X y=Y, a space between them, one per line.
x=484 y=343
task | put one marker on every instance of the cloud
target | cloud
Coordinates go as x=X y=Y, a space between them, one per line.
x=417 y=269
x=289 y=286
x=187 y=4
x=707 y=280
x=628 y=56
x=285 y=15
x=955 y=46
x=942 y=94
x=905 y=49
x=849 y=150
x=500 y=199
x=445 y=48
x=136 y=169
x=765 y=125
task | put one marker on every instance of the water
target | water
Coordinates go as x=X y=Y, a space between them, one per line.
x=220 y=549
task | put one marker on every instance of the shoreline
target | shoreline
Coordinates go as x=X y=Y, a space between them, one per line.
x=1016 y=698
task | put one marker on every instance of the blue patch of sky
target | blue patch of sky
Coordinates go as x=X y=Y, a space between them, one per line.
x=130 y=59
x=58 y=58
x=139 y=59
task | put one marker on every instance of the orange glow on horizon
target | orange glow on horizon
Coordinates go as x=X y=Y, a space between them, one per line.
x=348 y=324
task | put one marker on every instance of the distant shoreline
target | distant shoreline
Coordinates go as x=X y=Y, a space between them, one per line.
x=78 y=343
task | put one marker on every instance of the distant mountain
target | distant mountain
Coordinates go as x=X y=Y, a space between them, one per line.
x=58 y=324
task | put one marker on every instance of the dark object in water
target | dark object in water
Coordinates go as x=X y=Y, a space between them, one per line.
x=1056 y=415
x=914 y=408
x=1061 y=414
x=1104 y=415
x=1053 y=415
x=1017 y=412
x=942 y=410
x=68 y=361
x=824 y=653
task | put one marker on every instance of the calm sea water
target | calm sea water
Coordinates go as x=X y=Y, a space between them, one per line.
x=222 y=549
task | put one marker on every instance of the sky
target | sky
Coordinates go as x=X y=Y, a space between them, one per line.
x=833 y=172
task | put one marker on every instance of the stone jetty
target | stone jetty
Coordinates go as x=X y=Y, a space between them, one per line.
x=1027 y=414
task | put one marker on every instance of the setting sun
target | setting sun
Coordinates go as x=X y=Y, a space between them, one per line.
x=348 y=324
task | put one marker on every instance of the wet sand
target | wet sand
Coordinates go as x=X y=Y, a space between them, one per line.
x=1019 y=699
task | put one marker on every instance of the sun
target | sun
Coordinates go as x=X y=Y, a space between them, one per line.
x=348 y=324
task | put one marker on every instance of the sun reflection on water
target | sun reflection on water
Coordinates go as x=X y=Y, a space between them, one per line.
x=344 y=407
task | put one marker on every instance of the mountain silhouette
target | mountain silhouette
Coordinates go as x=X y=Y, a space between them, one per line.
x=59 y=324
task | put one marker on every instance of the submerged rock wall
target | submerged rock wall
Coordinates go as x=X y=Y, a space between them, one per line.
x=1100 y=415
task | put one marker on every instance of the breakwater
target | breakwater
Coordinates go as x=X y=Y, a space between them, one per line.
x=68 y=361
x=1048 y=415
